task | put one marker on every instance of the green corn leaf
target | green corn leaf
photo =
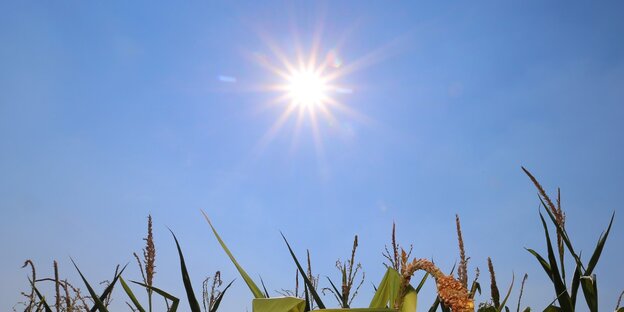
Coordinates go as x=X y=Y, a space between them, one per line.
x=311 y=289
x=307 y=306
x=543 y=262
x=564 y=235
x=109 y=289
x=131 y=295
x=174 y=301
x=599 y=246
x=590 y=292
x=193 y=303
x=42 y=300
x=564 y=298
x=435 y=305
x=337 y=293
x=250 y=283
x=98 y=303
x=266 y=293
x=422 y=282
x=215 y=307
x=387 y=291
x=528 y=309
x=620 y=309
x=576 y=282
x=504 y=302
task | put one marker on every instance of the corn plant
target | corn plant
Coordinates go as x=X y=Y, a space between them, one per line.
x=349 y=270
x=554 y=266
x=213 y=302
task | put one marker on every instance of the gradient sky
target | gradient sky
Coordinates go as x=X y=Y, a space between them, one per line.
x=113 y=111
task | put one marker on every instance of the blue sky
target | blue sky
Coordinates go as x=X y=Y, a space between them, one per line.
x=112 y=111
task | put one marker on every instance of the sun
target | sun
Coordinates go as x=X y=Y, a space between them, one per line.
x=309 y=92
x=307 y=88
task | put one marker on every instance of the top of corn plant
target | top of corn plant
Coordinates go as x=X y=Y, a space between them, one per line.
x=554 y=266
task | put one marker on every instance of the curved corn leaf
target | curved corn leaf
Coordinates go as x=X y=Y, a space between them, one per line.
x=98 y=303
x=504 y=302
x=131 y=295
x=174 y=300
x=336 y=293
x=541 y=260
x=250 y=283
x=311 y=289
x=215 y=307
x=193 y=303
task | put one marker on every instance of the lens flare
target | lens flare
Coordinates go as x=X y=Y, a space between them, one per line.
x=307 y=88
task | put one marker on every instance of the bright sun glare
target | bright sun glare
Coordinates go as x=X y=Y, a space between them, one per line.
x=308 y=91
x=307 y=88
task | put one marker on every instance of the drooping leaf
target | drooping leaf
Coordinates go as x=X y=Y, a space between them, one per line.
x=250 y=283
x=543 y=262
x=174 y=300
x=307 y=281
x=186 y=279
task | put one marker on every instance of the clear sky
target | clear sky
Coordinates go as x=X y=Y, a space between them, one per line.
x=110 y=111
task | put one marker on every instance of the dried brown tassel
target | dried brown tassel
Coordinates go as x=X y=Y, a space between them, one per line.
x=149 y=253
x=57 y=285
x=556 y=211
x=462 y=270
x=493 y=286
x=522 y=290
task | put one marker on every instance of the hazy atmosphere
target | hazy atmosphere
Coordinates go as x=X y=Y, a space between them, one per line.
x=319 y=119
